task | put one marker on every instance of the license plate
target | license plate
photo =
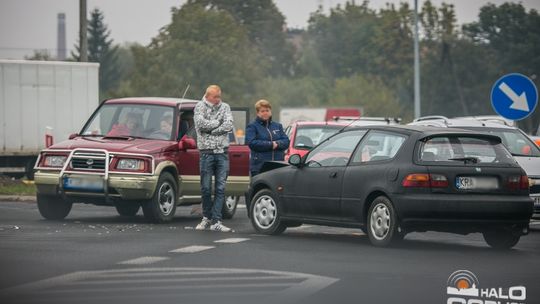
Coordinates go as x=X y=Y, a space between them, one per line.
x=476 y=183
x=89 y=183
x=536 y=201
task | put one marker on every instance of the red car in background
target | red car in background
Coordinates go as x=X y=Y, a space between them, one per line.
x=304 y=135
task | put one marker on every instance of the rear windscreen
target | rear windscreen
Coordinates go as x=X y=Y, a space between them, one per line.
x=464 y=149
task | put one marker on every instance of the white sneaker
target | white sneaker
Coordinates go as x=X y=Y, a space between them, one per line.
x=218 y=226
x=204 y=224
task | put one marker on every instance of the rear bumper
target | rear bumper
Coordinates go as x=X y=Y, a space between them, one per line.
x=462 y=213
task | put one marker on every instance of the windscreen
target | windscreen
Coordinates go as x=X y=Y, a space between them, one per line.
x=463 y=149
x=132 y=120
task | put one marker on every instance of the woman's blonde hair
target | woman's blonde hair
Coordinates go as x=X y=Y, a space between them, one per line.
x=263 y=103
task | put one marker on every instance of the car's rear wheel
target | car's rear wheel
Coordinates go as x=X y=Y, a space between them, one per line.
x=53 y=207
x=501 y=238
x=265 y=213
x=229 y=207
x=162 y=206
x=127 y=208
x=382 y=222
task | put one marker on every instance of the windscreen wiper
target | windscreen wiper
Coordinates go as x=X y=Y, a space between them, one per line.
x=466 y=159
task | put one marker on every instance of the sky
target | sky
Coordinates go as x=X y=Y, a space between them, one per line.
x=26 y=25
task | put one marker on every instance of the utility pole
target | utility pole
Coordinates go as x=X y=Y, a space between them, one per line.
x=416 y=64
x=83 y=41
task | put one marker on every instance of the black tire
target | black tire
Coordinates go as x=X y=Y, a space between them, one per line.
x=501 y=238
x=382 y=223
x=127 y=208
x=229 y=207
x=29 y=169
x=53 y=207
x=265 y=213
x=162 y=206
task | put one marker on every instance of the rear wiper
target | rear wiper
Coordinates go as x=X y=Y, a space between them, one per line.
x=467 y=159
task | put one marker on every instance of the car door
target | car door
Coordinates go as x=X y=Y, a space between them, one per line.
x=371 y=168
x=315 y=190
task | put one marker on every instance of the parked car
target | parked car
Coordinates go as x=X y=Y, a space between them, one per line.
x=392 y=180
x=126 y=156
x=524 y=150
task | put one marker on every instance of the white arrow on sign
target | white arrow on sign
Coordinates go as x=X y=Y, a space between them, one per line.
x=518 y=102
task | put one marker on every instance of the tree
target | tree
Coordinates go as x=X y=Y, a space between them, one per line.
x=201 y=46
x=102 y=50
x=40 y=55
x=265 y=26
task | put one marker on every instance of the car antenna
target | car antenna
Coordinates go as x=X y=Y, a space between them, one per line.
x=348 y=125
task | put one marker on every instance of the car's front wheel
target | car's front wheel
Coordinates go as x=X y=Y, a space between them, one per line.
x=501 y=238
x=127 y=208
x=53 y=207
x=265 y=213
x=162 y=206
x=382 y=222
x=229 y=207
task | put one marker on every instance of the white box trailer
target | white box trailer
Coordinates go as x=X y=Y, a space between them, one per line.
x=40 y=97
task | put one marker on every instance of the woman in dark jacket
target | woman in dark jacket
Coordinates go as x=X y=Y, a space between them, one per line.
x=265 y=138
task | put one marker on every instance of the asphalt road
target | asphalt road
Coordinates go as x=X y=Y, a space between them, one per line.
x=96 y=256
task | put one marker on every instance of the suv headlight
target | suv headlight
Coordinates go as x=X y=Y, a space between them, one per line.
x=130 y=164
x=54 y=161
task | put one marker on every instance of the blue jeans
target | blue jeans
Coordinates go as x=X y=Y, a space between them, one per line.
x=217 y=166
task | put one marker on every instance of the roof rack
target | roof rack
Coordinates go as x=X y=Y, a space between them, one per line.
x=432 y=117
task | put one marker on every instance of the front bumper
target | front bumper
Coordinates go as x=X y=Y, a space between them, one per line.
x=121 y=186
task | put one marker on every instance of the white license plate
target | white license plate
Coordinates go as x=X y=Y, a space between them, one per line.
x=89 y=183
x=536 y=201
x=476 y=183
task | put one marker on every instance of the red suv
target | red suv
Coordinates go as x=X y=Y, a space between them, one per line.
x=133 y=153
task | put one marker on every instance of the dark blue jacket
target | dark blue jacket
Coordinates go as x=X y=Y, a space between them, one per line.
x=259 y=137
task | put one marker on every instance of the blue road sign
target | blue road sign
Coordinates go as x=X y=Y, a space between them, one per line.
x=514 y=96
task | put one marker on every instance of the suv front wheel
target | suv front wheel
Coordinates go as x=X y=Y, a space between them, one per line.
x=162 y=206
x=53 y=207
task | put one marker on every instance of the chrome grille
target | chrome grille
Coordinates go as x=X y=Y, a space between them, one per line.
x=88 y=161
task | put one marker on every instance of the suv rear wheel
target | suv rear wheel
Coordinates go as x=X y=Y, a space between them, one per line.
x=127 y=208
x=53 y=207
x=162 y=206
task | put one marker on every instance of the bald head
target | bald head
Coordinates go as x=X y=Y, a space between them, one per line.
x=213 y=94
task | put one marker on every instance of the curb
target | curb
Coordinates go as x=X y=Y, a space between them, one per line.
x=17 y=198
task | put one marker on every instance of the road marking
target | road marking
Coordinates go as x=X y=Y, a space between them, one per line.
x=232 y=240
x=143 y=260
x=192 y=249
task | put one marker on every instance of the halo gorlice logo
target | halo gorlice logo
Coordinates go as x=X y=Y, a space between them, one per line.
x=463 y=288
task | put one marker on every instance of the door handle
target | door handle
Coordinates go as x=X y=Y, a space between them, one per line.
x=333 y=174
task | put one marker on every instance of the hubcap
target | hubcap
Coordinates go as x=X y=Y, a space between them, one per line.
x=166 y=198
x=230 y=202
x=380 y=221
x=264 y=211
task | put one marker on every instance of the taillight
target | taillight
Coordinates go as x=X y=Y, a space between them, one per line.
x=518 y=182
x=424 y=180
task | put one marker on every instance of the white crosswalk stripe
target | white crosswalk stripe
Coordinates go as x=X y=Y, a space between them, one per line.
x=232 y=240
x=192 y=249
x=143 y=260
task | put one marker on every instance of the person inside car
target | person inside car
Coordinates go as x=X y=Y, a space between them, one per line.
x=165 y=127
x=131 y=127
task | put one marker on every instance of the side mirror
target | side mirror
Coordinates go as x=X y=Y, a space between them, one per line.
x=295 y=160
x=73 y=135
x=187 y=143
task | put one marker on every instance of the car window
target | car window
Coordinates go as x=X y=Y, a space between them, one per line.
x=378 y=146
x=464 y=149
x=336 y=151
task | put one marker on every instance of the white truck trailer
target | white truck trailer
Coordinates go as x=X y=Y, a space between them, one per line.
x=39 y=98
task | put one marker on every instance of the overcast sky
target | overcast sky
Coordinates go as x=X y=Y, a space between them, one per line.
x=26 y=25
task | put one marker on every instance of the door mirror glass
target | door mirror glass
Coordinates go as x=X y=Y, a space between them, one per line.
x=295 y=160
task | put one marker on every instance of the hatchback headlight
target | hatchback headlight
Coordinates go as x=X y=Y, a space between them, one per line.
x=130 y=164
x=54 y=161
